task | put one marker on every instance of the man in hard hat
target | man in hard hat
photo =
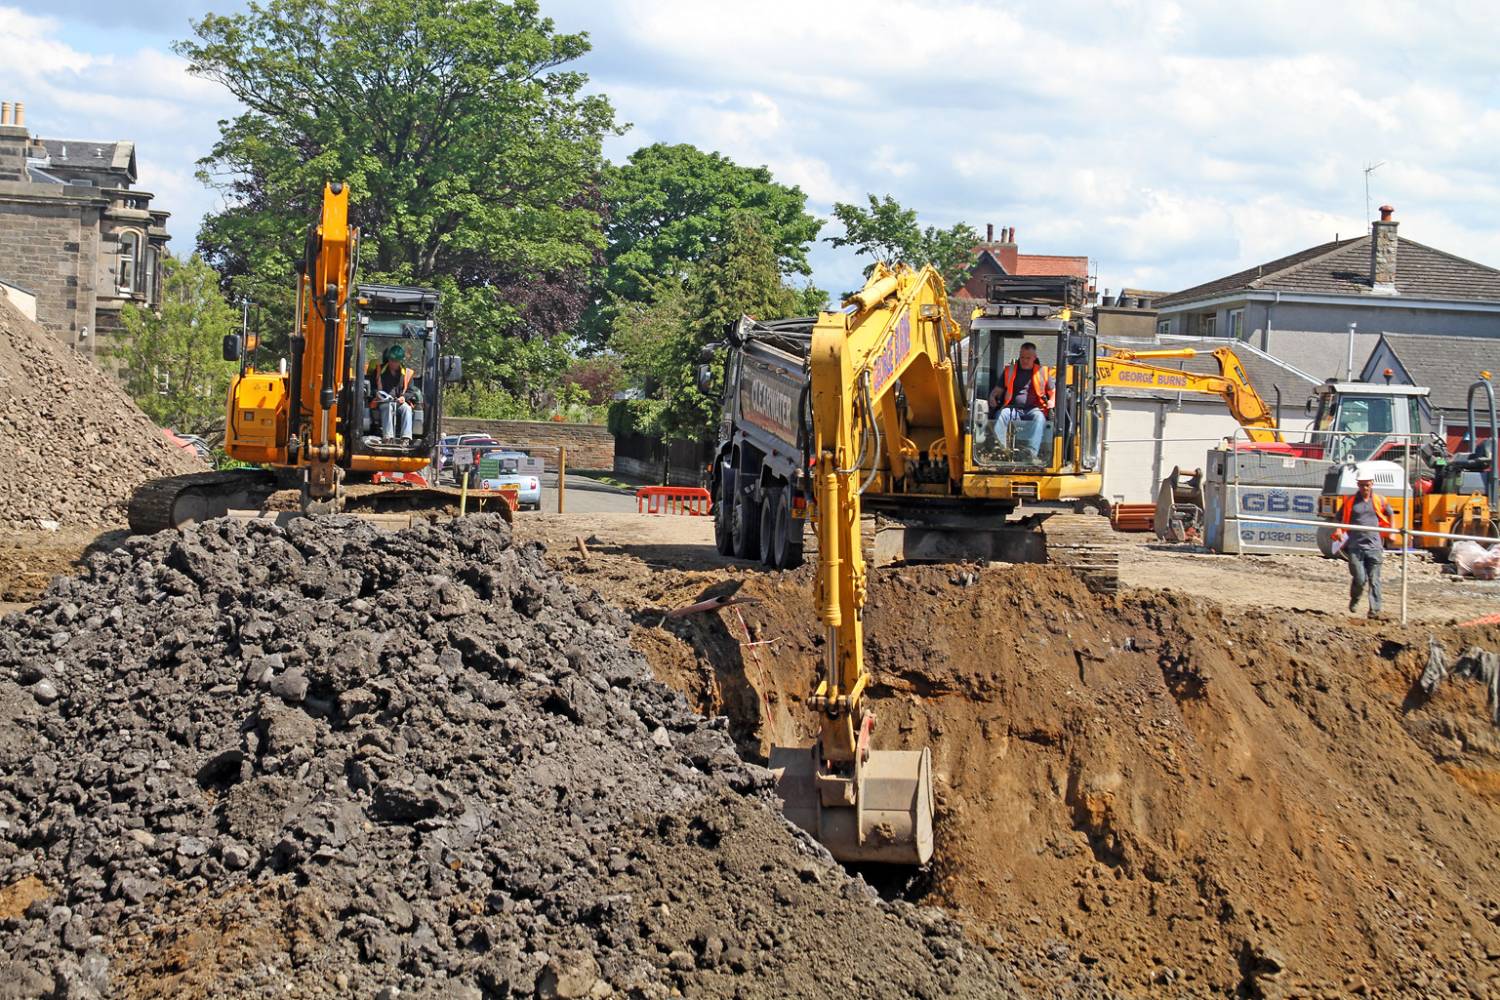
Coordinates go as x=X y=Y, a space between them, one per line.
x=1024 y=398
x=389 y=399
x=1364 y=549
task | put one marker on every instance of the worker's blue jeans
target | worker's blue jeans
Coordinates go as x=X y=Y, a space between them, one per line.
x=1364 y=567
x=1030 y=426
x=395 y=418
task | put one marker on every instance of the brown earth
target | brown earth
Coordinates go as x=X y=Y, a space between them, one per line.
x=72 y=443
x=1197 y=798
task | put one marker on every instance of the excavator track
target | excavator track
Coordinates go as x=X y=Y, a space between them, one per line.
x=198 y=496
x=1085 y=544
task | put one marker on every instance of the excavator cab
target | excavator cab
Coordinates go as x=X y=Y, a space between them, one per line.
x=1059 y=432
x=393 y=322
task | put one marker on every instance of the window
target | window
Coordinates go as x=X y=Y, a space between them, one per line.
x=130 y=254
x=1236 y=324
x=1206 y=325
x=1163 y=327
x=153 y=262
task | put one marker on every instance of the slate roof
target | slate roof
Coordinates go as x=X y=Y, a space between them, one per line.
x=88 y=154
x=1342 y=267
x=1446 y=365
x=1265 y=373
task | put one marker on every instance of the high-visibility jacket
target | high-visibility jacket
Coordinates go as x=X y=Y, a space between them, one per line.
x=406 y=376
x=1383 y=513
x=1040 y=379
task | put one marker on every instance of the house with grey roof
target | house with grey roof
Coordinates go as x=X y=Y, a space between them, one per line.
x=1300 y=307
x=1448 y=366
x=75 y=231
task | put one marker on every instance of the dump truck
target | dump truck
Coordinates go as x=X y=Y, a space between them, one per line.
x=759 y=474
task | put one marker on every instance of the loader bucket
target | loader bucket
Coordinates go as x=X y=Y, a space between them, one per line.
x=891 y=818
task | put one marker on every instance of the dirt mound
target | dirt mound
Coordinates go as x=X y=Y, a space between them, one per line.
x=72 y=443
x=1198 y=803
x=321 y=761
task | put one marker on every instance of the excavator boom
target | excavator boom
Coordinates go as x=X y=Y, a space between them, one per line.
x=1128 y=369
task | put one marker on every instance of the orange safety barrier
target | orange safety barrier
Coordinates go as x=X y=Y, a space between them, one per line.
x=692 y=500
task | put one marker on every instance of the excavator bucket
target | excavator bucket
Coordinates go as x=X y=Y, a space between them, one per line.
x=890 y=819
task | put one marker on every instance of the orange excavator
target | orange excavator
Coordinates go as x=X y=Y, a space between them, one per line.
x=313 y=423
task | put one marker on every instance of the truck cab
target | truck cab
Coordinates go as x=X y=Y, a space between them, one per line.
x=1359 y=421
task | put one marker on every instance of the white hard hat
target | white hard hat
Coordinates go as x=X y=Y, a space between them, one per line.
x=1364 y=473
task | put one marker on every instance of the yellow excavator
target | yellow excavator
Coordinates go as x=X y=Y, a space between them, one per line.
x=896 y=420
x=1126 y=369
x=313 y=423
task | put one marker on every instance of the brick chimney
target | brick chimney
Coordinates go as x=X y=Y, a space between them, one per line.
x=13 y=143
x=1006 y=251
x=1383 y=253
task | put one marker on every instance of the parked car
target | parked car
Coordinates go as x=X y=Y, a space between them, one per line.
x=481 y=443
x=502 y=470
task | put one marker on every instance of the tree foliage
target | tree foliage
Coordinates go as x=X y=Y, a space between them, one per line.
x=172 y=361
x=670 y=206
x=660 y=340
x=473 y=159
x=891 y=234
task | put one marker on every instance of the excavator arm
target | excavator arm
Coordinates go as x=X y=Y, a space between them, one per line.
x=865 y=804
x=1127 y=369
x=327 y=275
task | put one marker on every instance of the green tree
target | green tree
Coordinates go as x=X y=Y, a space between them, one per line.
x=891 y=234
x=172 y=361
x=669 y=206
x=660 y=341
x=473 y=159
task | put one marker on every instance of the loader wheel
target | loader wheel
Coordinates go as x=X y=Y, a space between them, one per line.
x=745 y=527
x=768 y=529
x=723 y=519
x=786 y=550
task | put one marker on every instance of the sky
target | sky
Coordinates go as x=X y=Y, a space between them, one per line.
x=1170 y=143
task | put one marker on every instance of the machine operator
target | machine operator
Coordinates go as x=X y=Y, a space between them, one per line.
x=1024 y=397
x=389 y=396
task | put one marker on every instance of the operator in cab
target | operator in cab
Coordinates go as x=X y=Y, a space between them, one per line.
x=389 y=396
x=1024 y=398
x=1364 y=549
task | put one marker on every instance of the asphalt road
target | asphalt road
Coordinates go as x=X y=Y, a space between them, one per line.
x=585 y=496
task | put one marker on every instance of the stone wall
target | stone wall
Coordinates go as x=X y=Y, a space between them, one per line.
x=590 y=446
x=51 y=248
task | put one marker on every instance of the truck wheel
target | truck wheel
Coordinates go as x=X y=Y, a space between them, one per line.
x=745 y=528
x=788 y=546
x=768 y=529
x=723 y=517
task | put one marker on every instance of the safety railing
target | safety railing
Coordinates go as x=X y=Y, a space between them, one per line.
x=690 y=500
x=1406 y=445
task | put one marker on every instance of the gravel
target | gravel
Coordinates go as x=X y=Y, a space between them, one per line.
x=73 y=444
x=323 y=761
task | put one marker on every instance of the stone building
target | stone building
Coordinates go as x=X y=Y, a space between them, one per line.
x=74 y=232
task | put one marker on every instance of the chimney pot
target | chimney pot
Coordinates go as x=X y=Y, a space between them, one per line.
x=1386 y=212
x=1011 y=235
x=989 y=232
x=20 y=114
x=4 y=112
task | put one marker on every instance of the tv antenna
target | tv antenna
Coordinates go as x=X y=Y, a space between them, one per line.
x=1370 y=168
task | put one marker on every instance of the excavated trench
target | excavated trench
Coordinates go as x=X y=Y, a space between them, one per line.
x=1185 y=798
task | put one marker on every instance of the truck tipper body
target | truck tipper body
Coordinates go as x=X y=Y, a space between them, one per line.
x=758 y=478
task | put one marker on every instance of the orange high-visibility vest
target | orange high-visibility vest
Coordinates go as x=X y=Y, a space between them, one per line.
x=1039 y=380
x=1383 y=513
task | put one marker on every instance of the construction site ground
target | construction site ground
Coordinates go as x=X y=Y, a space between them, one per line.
x=1187 y=789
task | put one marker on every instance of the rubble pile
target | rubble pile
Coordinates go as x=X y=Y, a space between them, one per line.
x=72 y=442
x=324 y=761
